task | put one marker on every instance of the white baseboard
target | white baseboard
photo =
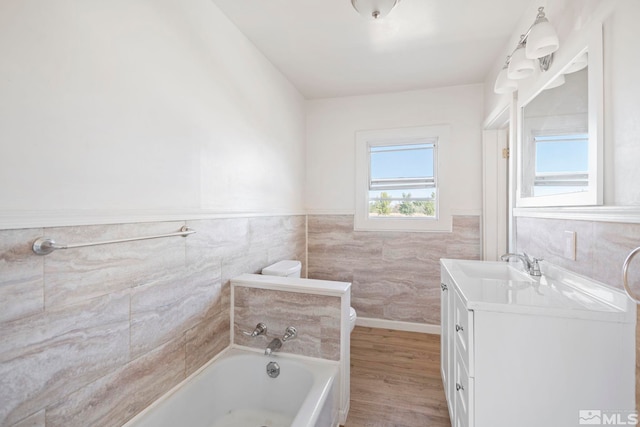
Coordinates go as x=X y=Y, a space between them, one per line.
x=398 y=326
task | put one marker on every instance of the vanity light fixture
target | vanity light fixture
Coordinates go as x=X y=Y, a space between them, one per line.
x=557 y=82
x=542 y=39
x=503 y=83
x=578 y=64
x=520 y=66
x=539 y=42
x=375 y=9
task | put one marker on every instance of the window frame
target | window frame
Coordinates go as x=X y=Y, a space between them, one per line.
x=402 y=136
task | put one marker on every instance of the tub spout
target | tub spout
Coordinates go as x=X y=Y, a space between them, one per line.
x=274 y=345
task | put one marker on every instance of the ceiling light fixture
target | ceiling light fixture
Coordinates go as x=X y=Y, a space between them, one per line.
x=539 y=42
x=375 y=9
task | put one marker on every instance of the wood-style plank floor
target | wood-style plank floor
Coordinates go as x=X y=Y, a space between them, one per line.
x=395 y=380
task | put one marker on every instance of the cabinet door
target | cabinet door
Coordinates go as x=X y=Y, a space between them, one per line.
x=444 y=332
x=446 y=338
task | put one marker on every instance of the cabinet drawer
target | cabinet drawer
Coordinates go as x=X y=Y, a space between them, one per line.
x=463 y=394
x=463 y=331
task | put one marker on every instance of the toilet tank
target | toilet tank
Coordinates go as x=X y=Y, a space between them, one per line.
x=286 y=268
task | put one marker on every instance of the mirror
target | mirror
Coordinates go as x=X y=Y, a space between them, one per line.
x=559 y=141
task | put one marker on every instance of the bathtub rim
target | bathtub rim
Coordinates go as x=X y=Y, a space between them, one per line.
x=235 y=349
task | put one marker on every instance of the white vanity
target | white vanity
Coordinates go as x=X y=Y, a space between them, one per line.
x=531 y=351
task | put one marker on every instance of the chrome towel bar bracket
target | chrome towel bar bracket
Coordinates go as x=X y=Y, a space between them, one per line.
x=625 y=271
x=44 y=245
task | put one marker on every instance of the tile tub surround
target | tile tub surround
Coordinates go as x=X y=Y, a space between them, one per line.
x=315 y=317
x=395 y=275
x=601 y=250
x=91 y=336
x=318 y=309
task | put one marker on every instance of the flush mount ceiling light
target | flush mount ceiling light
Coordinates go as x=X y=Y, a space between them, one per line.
x=375 y=9
x=539 y=42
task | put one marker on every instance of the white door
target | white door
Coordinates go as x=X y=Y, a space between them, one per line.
x=495 y=160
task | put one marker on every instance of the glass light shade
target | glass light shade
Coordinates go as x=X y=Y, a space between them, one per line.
x=520 y=67
x=557 y=82
x=374 y=8
x=578 y=64
x=542 y=40
x=504 y=84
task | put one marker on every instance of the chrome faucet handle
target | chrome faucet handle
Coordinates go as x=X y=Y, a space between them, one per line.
x=535 y=267
x=289 y=334
x=260 y=329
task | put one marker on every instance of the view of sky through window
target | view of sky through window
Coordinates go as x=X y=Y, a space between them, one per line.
x=402 y=181
x=562 y=153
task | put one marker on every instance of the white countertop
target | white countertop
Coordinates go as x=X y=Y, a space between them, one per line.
x=557 y=292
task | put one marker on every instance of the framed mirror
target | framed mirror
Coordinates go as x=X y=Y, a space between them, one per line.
x=560 y=144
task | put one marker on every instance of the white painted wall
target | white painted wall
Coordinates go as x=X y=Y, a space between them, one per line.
x=142 y=106
x=572 y=19
x=331 y=127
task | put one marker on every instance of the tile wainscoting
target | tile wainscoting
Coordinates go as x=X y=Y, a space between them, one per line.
x=315 y=317
x=395 y=275
x=91 y=336
x=601 y=250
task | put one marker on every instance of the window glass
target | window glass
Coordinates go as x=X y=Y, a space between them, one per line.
x=562 y=164
x=402 y=180
x=399 y=183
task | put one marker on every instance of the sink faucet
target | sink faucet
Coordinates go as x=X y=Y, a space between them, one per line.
x=276 y=343
x=531 y=265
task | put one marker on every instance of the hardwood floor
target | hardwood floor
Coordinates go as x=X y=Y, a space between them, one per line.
x=395 y=380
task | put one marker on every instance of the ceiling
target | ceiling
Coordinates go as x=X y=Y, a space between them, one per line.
x=326 y=49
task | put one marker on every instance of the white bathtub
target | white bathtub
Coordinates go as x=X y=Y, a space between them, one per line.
x=234 y=390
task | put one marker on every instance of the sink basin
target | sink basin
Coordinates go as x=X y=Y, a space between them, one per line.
x=493 y=271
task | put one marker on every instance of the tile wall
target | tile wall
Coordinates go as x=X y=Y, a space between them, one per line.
x=602 y=248
x=315 y=317
x=394 y=275
x=91 y=336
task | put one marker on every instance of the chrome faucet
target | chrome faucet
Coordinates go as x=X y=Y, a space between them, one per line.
x=276 y=343
x=260 y=329
x=531 y=265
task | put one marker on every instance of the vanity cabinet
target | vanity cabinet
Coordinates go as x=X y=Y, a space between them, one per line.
x=532 y=352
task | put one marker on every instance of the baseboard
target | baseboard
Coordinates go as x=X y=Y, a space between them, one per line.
x=398 y=326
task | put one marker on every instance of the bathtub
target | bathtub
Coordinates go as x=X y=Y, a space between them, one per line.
x=234 y=390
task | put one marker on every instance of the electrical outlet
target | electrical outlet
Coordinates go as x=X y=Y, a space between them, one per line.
x=570 y=245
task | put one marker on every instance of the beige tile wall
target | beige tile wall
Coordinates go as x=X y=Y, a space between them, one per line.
x=602 y=248
x=315 y=317
x=90 y=336
x=394 y=275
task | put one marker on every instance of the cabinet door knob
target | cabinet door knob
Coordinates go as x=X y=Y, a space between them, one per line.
x=459 y=387
x=459 y=328
x=443 y=286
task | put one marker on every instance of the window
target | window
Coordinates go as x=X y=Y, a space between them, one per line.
x=562 y=164
x=398 y=185
x=402 y=180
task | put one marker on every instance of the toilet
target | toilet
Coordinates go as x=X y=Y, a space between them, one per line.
x=291 y=268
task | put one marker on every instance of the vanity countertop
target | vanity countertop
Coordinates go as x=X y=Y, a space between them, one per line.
x=503 y=287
